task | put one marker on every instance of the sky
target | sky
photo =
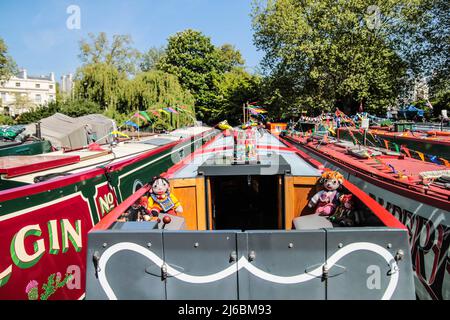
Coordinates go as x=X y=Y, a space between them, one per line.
x=40 y=41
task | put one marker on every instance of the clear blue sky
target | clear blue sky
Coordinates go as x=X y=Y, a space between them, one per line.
x=37 y=37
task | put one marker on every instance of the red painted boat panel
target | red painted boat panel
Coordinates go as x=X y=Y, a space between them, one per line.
x=411 y=168
x=14 y=166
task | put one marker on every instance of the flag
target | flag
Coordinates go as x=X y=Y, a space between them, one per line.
x=446 y=162
x=120 y=134
x=95 y=147
x=145 y=115
x=386 y=144
x=163 y=111
x=433 y=158
x=396 y=147
x=156 y=113
x=332 y=131
x=138 y=115
x=392 y=167
x=172 y=110
x=406 y=150
x=421 y=155
x=131 y=123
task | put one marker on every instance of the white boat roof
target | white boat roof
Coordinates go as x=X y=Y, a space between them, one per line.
x=267 y=146
x=122 y=151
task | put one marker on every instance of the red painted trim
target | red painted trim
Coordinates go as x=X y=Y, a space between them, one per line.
x=183 y=162
x=88 y=174
x=112 y=217
x=39 y=164
x=427 y=139
x=316 y=164
x=385 y=216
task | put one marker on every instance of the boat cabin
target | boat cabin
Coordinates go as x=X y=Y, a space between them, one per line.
x=252 y=181
x=246 y=232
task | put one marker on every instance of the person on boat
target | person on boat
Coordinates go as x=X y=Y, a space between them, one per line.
x=161 y=200
x=326 y=201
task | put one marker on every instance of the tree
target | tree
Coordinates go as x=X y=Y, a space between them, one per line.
x=230 y=56
x=101 y=83
x=151 y=58
x=7 y=65
x=323 y=54
x=153 y=90
x=197 y=63
x=234 y=89
x=119 y=53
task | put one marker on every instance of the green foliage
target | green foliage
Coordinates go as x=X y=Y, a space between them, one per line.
x=6 y=120
x=202 y=69
x=197 y=64
x=72 y=108
x=233 y=90
x=323 y=54
x=118 y=53
x=101 y=83
x=151 y=58
x=154 y=90
x=38 y=113
x=7 y=65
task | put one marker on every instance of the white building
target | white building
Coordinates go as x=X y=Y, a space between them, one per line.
x=66 y=86
x=30 y=91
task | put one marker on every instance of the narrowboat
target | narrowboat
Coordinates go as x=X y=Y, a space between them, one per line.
x=48 y=203
x=247 y=230
x=416 y=192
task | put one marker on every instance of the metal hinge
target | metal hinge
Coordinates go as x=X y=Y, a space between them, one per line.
x=164 y=272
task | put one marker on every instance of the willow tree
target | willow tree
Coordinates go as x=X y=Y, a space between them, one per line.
x=154 y=90
x=326 y=53
x=101 y=83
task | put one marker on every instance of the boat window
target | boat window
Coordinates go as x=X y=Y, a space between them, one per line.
x=245 y=202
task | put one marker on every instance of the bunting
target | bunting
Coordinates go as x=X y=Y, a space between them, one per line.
x=172 y=110
x=406 y=150
x=164 y=111
x=446 y=162
x=139 y=116
x=421 y=155
x=433 y=158
x=145 y=115
x=396 y=147
x=131 y=123
x=118 y=133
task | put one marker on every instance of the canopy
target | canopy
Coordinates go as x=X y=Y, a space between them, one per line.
x=100 y=127
x=72 y=133
x=411 y=111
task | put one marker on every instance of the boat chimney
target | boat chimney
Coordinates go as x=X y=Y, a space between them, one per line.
x=38 y=130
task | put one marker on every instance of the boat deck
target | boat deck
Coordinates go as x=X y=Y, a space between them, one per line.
x=92 y=159
x=396 y=168
x=271 y=155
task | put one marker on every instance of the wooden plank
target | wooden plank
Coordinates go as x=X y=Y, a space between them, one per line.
x=186 y=191
x=201 y=204
x=209 y=209
x=191 y=193
x=298 y=191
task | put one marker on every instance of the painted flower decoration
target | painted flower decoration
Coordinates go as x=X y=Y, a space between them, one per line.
x=32 y=290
